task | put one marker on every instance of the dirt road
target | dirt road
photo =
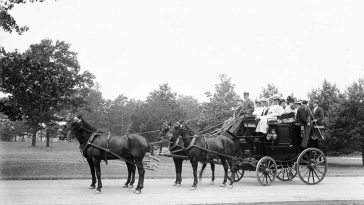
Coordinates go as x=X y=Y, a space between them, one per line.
x=161 y=191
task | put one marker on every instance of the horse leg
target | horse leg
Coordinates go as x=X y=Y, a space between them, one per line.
x=129 y=175
x=98 y=174
x=92 y=169
x=141 y=172
x=225 y=166
x=176 y=166
x=194 y=164
x=232 y=164
x=132 y=168
x=202 y=169
x=179 y=172
x=213 y=173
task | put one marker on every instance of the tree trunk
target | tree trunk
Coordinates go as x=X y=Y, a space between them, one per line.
x=47 y=136
x=15 y=138
x=34 y=137
x=23 y=138
x=41 y=136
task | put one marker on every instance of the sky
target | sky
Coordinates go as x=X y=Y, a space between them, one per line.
x=134 y=46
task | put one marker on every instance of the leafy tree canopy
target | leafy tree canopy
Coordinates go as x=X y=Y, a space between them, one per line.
x=7 y=21
x=42 y=81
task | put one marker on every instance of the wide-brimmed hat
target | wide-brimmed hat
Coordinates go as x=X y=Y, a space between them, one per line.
x=298 y=102
x=289 y=99
x=263 y=100
x=276 y=97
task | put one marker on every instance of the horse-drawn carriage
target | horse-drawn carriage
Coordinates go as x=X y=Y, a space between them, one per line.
x=278 y=153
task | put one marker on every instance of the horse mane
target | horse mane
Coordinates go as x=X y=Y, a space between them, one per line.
x=87 y=126
x=188 y=129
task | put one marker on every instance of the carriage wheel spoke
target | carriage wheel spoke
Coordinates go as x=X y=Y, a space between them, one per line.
x=270 y=179
x=316 y=175
x=306 y=173
x=318 y=170
x=313 y=176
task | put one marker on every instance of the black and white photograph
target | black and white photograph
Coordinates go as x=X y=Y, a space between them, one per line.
x=168 y=102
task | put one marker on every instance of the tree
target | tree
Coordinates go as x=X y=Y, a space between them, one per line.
x=269 y=91
x=221 y=102
x=327 y=96
x=7 y=22
x=190 y=106
x=160 y=106
x=41 y=82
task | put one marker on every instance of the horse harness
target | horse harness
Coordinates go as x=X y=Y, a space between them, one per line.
x=83 y=149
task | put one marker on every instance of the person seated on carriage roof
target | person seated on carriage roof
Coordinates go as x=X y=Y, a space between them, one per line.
x=282 y=103
x=264 y=106
x=290 y=105
x=258 y=108
x=275 y=110
x=247 y=109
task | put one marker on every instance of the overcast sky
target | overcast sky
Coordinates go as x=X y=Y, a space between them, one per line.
x=134 y=46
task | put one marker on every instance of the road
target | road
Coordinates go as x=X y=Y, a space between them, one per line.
x=160 y=191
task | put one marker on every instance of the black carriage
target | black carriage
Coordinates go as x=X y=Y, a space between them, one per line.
x=278 y=154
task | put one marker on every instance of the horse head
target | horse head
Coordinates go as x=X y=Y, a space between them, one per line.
x=175 y=131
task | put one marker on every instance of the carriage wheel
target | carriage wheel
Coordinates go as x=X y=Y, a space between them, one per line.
x=266 y=170
x=311 y=166
x=238 y=175
x=286 y=172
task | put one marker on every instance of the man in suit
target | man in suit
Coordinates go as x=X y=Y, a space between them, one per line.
x=318 y=113
x=246 y=110
x=303 y=117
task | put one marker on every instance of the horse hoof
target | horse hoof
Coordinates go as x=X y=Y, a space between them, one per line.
x=212 y=183
x=92 y=187
x=97 y=191
x=125 y=186
x=230 y=186
x=193 y=188
x=137 y=192
x=178 y=185
x=175 y=184
x=130 y=186
x=223 y=185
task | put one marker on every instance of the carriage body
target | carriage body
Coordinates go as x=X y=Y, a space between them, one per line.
x=279 y=147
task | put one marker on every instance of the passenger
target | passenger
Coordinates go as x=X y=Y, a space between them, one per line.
x=264 y=106
x=303 y=117
x=290 y=105
x=258 y=108
x=318 y=113
x=275 y=110
x=298 y=103
x=282 y=103
x=247 y=109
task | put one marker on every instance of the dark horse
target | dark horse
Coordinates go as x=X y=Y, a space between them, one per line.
x=220 y=144
x=179 y=145
x=131 y=147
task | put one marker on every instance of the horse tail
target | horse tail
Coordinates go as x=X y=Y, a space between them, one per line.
x=149 y=148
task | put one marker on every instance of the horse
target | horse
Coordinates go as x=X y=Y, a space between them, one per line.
x=131 y=148
x=212 y=148
x=179 y=161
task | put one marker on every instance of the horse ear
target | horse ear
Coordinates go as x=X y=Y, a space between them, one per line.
x=181 y=121
x=169 y=123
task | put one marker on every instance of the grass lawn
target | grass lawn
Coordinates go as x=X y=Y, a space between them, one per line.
x=19 y=160
x=63 y=160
